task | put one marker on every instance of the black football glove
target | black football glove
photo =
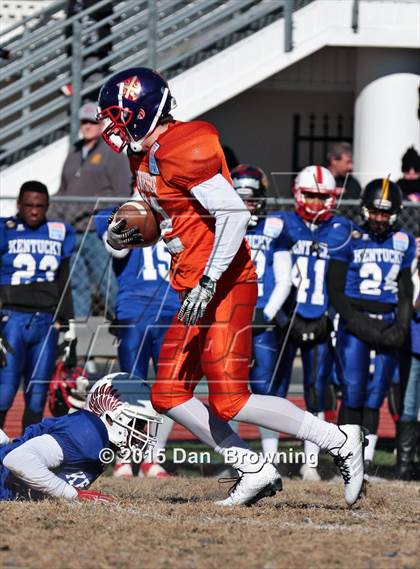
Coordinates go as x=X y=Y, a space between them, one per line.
x=260 y=323
x=119 y=237
x=367 y=329
x=393 y=337
x=195 y=303
x=5 y=348
x=68 y=353
x=67 y=348
x=310 y=331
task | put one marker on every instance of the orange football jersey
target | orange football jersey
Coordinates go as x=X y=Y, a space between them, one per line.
x=184 y=156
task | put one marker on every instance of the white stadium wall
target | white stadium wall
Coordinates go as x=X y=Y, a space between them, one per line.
x=258 y=126
x=44 y=166
x=386 y=110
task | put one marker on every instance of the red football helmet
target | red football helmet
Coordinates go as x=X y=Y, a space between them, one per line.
x=68 y=390
x=311 y=182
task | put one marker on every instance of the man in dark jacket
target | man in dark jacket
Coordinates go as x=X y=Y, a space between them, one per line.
x=340 y=164
x=90 y=170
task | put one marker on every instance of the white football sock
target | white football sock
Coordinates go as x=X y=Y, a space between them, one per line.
x=269 y=441
x=311 y=449
x=370 y=448
x=198 y=419
x=164 y=430
x=281 y=415
x=311 y=454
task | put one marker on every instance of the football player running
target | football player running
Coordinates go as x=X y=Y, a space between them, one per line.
x=370 y=285
x=182 y=173
x=62 y=456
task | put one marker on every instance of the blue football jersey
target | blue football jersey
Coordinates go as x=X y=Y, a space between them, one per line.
x=373 y=266
x=311 y=247
x=142 y=275
x=415 y=333
x=81 y=436
x=261 y=240
x=32 y=255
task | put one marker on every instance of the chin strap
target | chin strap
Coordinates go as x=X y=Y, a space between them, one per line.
x=136 y=147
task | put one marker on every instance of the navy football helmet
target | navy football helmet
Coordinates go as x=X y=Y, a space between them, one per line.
x=381 y=196
x=251 y=183
x=131 y=104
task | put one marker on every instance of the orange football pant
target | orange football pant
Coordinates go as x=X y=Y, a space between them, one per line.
x=219 y=348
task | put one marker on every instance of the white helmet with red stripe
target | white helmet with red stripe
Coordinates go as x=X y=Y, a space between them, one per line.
x=117 y=399
x=319 y=182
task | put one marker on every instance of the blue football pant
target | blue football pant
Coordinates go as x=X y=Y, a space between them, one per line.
x=365 y=380
x=140 y=341
x=269 y=376
x=34 y=341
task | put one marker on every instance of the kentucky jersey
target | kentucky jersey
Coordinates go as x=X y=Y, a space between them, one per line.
x=142 y=275
x=81 y=436
x=373 y=266
x=33 y=255
x=311 y=247
x=261 y=240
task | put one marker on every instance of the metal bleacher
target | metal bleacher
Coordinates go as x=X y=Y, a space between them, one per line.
x=49 y=50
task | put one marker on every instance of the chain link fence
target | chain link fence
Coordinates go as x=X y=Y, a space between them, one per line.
x=94 y=286
x=102 y=288
x=92 y=277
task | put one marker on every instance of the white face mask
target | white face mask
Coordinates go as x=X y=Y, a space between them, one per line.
x=117 y=142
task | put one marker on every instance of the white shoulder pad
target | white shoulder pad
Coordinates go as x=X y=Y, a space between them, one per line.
x=400 y=241
x=56 y=230
x=273 y=226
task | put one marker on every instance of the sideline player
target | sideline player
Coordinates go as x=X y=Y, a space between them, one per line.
x=36 y=300
x=144 y=308
x=62 y=456
x=274 y=283
x=181 y=172
x=370 y=285
x=309 y=235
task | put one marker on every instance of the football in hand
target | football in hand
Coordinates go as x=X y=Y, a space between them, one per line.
x=138 y=213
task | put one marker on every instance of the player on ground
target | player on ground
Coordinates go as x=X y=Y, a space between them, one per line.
x=182 y=173
x=370 y=285
x=308 y=235
x=144 y=308
x=36 y=300
x=62 y=456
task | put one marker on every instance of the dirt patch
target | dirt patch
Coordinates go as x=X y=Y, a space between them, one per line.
x=174 y=524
